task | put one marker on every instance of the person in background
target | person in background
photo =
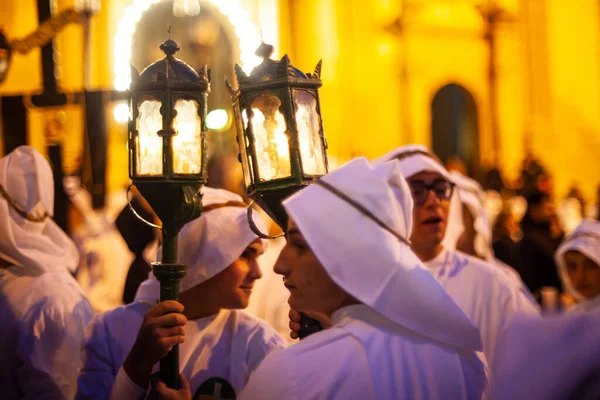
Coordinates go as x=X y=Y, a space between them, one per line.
x=476 y=239
x=540 y=241
x=104 y=256
x=506 y=235
x=142 y=241
x=43 y=310
x=223 y=345
x=571 y=210
x=578 y=261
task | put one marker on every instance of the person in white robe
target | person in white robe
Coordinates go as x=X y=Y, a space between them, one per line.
x=551 y=358
x=43 y=310
x=220 y=345
x=578 y=262
x=483 y=291
x=105 y=256
x=396 y=333
x=476 y=239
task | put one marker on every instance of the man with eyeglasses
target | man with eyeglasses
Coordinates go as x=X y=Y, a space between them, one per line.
x=484 y=293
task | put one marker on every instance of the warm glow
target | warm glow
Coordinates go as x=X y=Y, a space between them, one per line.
x=187 y=143
x=121 y=112
x=245 y=29
x=149 y=144
x=307 y=120
x=182 y=8
x=217 y=120
x=271 y=142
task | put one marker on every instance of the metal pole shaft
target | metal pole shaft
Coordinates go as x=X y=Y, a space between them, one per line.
x=169 y=290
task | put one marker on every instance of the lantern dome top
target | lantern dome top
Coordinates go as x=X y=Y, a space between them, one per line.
x=272 y=70
x=171 y=68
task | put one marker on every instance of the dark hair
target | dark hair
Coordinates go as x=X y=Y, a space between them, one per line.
x=136 y=233
x=536 y=198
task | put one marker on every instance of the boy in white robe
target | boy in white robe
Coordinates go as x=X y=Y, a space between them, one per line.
x=396 y=334
x=483 y=291
x=220 y=345
x=578 y=262
x=43 y=310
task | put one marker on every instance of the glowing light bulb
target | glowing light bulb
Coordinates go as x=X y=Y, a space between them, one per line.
x=217 y=119
x=121 y=112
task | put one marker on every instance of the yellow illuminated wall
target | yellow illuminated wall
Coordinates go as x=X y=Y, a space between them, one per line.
x=379 y=78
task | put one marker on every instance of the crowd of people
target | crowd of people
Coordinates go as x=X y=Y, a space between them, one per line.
x=425 y=285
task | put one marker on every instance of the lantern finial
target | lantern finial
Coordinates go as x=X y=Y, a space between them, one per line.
x=169 y=47
x=264 y=51
x=318 y=69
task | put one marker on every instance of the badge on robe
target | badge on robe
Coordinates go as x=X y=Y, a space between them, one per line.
x=215 y=389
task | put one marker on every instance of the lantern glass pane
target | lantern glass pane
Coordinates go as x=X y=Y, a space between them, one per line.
x=242 y=143
x=270 y=141
x=187 y=141
x=309 y=140
x=149 y=145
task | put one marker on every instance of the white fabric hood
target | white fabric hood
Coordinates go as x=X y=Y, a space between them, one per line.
x=413 y=159
x=471 y=194
x=27 y=178
x=585 y=239
x=368 y=261
x=211 y=243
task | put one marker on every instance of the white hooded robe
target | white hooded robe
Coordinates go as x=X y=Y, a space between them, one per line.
x=407 y=339
x=42 y=308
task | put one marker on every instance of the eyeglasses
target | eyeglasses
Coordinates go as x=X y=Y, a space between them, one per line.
x=420 y=191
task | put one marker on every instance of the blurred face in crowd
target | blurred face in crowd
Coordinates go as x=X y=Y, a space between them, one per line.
x=431 y=194
x=584 y=274
x=232 y=287
x=512 y=227
x=544 y=211
x=466 y=242
x=311 y=288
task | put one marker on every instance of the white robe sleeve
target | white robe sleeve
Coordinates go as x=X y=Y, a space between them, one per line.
x=261 y=345
x=101 y=377
x=271 y=381
x=98 y=370
x=124 y=388
x=50 y=346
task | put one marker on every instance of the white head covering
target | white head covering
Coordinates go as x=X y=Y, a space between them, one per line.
x=471 y=194
x=371 y=263
x=585 y=239
x=27 y=179
x=414 y=159
x=211 y=243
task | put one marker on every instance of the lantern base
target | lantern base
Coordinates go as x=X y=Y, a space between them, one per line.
x=175 y=203
x=271 y=202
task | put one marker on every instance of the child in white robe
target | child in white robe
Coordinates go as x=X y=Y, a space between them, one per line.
x=221 y=345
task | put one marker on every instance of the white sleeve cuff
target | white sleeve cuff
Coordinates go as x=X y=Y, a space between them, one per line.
x=125 y=388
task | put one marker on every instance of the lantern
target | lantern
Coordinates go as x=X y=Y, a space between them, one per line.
x=279 y=130
x=167 y=160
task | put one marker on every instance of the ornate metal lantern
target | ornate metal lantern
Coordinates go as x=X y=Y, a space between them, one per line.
x=279 y=130
x=167 y=160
